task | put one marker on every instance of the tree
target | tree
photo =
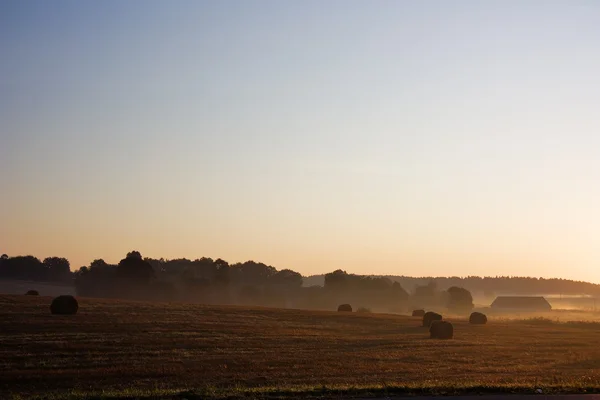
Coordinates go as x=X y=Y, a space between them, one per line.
x=3 y=263
x=398 y=292
x=134 y=254
x=251 y=272
x=58 y=268
x=287 y=278
x=134 y=270
x=427 y=291
x=97 y=280
x=220 y=263
x=24 y=267
x=204 y=267
x=98 y=264
x=459 y=298
x=222 y=277
x=336 y=279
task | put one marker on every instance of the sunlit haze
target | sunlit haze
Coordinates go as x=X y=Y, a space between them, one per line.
x=385 y=137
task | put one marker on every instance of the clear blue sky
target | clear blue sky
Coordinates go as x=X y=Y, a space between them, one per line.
x=390 y=137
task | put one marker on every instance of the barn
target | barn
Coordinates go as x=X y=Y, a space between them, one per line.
x=521 y=303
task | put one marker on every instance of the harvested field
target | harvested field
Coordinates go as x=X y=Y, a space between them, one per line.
x=120 y=348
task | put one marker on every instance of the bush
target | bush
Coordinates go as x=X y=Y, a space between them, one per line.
x=64 y=305
x=441 y=330
x=429 y=317
x=418 y=313
x=478 y=318
x=32 y=293
x=345 y=308
x=363 y=310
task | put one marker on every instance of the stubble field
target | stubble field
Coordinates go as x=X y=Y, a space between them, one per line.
x=117 y=349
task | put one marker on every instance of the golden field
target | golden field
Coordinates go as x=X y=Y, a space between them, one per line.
x=126 y=349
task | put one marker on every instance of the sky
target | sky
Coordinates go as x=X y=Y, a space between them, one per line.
x=422 y=138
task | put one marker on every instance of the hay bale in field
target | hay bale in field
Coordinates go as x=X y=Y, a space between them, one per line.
x=441 y=330
x=345 y=308
x=363 y=310
x=478 y=318
x=32 y=293
x=64 y=305
x=418 y=313
x=429 y=317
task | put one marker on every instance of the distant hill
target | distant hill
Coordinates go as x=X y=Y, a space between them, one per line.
x=489 y=287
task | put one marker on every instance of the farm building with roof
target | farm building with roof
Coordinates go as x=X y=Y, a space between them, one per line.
x=521 y=303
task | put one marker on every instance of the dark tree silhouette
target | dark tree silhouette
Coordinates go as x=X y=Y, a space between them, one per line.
x=399 y=293
x=287 y=278
x=459 y=298
x=97 y=280
x=426 y=291
x=251 y=272
x=24 y=267
x=98 y=264
x=335 y=279
x=490 y=286
x=134 y=254
x=58 y=268
x=368 y=291
x=222 y=276
x=133 y=270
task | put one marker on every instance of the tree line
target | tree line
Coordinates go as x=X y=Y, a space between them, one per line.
x=217 y=282
x=253 y=283
x=491 y=286
x=30 y=268
x=202 y=280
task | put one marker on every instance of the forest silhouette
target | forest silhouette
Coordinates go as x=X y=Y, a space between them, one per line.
x=211 y=281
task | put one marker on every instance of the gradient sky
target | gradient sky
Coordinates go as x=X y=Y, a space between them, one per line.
x=384 y=137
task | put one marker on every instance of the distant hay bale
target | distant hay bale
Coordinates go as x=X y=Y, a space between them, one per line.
x=64 y=305
x=32 y=293
x=345 y=308
x=418 y=313
x=441 y=330
x=478 y=318
x=363 y=310
x=429 y=317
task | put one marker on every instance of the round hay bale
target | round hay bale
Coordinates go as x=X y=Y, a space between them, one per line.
x=441 y=330
x=64 y=305
x=345 y=308
x=418 y=313
x=429 y=317
x=478 y=318
x=32 y=293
